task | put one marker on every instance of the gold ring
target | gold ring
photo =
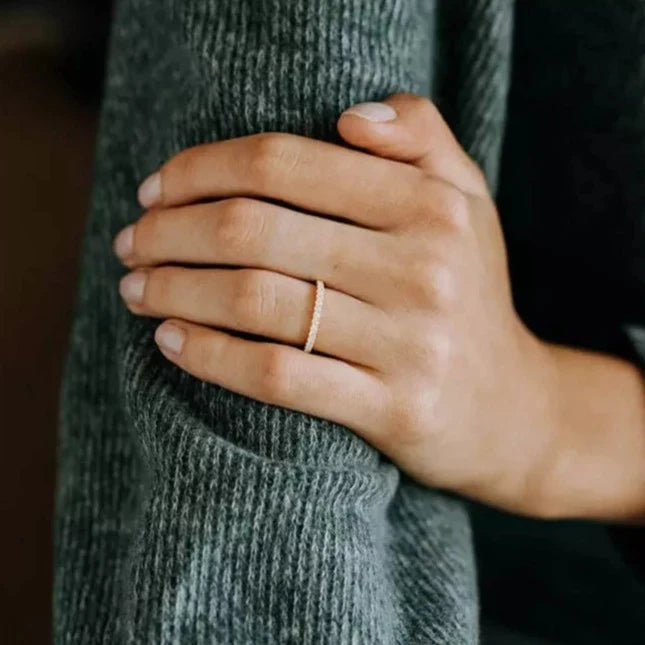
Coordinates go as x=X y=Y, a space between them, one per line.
x=315 y=318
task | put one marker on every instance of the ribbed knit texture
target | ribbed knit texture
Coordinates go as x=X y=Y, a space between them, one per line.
x=188 y=514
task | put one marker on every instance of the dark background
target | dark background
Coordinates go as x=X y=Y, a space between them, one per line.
x=51 y=67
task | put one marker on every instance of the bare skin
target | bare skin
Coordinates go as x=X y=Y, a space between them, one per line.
x=420 y=350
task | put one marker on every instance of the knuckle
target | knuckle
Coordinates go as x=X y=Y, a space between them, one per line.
x=432 y=347
x=453 y=208
x=266 y=152
x=432 y=281
x=255 y=297
x=238 y=225
x=443 y=285
x=275 y=374
x=273 y=153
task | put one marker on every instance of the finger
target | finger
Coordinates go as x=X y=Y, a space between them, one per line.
x=252 y=233
x=313 y=175
x=409 y=128
x=264 y=303
x=276 y=374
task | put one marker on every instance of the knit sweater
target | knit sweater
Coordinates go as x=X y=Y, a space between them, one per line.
x=190 y=514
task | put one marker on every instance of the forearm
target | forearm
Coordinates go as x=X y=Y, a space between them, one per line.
x=598 y=458
x=564 y=433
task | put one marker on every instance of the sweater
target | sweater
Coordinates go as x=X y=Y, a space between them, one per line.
x=189 y=514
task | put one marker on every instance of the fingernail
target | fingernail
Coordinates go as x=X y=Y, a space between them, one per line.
x=170 y=337
x=132 y=286
x=377 y=112
x=124 y=242
x=150 y=190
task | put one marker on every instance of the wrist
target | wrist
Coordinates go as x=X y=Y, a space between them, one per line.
x=521 y=433
x=546 y=441
x=593 y=462
x=534 y=420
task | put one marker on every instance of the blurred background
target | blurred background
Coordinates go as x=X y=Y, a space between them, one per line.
x=51 y=74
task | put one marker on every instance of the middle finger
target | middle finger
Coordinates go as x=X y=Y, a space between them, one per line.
x=251 y=233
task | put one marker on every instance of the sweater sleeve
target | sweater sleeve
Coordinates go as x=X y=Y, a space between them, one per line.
x=187 y=513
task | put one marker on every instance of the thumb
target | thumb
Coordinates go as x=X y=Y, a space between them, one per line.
x=409 y=128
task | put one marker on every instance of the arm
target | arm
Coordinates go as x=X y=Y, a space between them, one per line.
x=187 y=512
x=485 y=410
x=596 y=468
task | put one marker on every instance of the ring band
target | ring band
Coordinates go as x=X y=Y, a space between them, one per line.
x=315 y=318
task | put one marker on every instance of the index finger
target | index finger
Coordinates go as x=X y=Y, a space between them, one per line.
x=313 y=175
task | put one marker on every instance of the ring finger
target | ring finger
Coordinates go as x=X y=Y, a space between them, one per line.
x=260 y=302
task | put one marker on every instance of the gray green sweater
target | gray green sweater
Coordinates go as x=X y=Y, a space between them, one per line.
x=189 y=514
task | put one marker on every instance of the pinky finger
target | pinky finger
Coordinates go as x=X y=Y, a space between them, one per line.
x=276 y=374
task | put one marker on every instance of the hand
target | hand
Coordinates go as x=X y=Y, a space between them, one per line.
x=420 y=350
